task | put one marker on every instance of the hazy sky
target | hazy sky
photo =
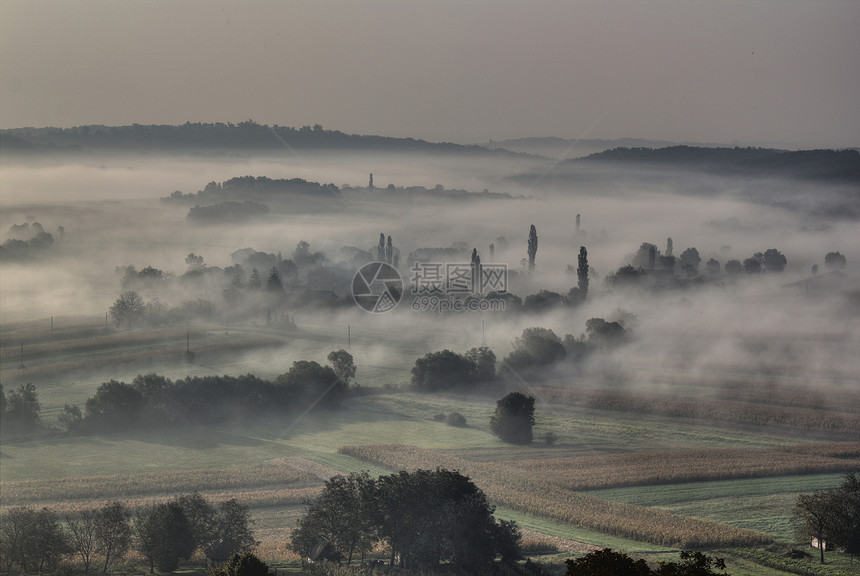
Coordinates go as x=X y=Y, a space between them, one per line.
x=777 y=71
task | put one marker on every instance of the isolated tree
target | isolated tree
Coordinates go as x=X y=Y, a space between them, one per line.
x=432 y=516
x=578 y=221
x=773 y=260
x=164 y=536
x=752 y=265
x=712 y=268
x=343 y=365
x=533 y=246
x=254 y=279
x=233 y=525
x=604 y=333
x=113 y=532
x=834 y=261
x=105 y=532
x=816 y=514
x=193 y=261
x=690 y=260
x=200 y=514
x=273 y=283
x=645 y=256
x=71 y=419
x=380 y=249
x=514 y=418
x=22 y=408
x=733 y=267
x=82 y=535
x=128 y=309
x=389 y=251
x=302 y=255
x=582 y=272
x=341 y=516
x=669 y=246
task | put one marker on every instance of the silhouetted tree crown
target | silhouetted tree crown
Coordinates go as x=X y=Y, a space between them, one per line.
x=533 y=246
x=514 y=418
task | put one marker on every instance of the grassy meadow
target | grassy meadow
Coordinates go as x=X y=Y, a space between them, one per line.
x=643 y=481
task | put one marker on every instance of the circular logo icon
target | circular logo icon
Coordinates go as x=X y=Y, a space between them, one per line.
x=377 y=287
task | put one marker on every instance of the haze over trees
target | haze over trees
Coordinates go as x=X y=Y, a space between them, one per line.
x=698 y=349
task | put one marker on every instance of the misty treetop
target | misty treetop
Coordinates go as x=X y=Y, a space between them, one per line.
x=648 y=268
x=24 y=241
x=20 y=410
x=447 y=370
x=256 y=189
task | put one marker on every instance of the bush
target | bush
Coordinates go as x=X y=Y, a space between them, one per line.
x=456 y=419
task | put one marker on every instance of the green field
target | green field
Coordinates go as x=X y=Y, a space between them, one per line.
x=33 y=469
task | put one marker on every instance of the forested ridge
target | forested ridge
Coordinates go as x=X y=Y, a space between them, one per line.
x=837 y=165
x=211 y=137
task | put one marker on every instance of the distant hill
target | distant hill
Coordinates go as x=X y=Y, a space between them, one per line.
x=829 y=165
x=564 y=148
x=213 y=138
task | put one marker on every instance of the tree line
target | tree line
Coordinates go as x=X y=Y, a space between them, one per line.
x=163 y=534
x=534 y=349
x=154 y=399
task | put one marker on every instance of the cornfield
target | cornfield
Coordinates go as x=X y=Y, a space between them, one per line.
x=527 y=492
x=673 y=466
x=287 y=478
x=747 y=411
